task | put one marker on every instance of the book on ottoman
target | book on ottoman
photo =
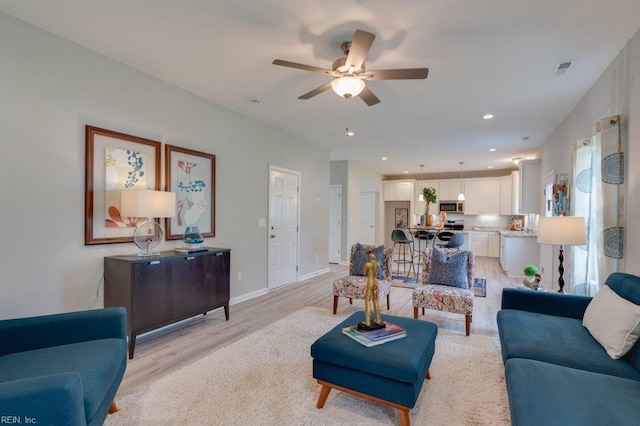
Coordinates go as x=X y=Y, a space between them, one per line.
x=375 y=337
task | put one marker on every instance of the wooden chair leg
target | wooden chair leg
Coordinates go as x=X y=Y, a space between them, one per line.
x=113 y=408
x=351 y=301
x=335 y=304
x=388 y=302
x=467 y=323
x=324 y=393
x=415 y=312
x=428 y=375
x=403 y=415
x=422 y=311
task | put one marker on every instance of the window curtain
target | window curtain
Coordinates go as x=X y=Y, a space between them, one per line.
x=598 y=176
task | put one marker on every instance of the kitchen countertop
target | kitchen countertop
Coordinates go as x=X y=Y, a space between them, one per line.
x=507 y=233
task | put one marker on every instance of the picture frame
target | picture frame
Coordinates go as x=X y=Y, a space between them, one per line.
x=402 y=218
x=192 y=176
x=115 y=161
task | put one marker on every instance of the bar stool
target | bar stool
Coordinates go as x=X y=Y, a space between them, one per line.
x=423 y=237
x=398 y=236
x=444 y=236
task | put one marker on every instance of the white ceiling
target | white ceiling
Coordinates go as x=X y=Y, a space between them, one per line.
x=494 y=56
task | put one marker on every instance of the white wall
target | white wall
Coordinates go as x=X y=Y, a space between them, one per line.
x=356 y=178
x=50 y=89
x=617 y=91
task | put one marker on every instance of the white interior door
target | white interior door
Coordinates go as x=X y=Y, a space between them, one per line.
x=284 y=187
x=335 y=223
x=367 y=223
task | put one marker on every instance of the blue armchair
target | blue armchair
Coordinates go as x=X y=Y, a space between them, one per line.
x=62 y=368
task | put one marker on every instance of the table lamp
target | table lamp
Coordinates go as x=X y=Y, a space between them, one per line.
x=147 y=204
x=565 y=231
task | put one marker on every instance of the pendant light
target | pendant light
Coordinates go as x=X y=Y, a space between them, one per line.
x=421 y=197
x=461 y=194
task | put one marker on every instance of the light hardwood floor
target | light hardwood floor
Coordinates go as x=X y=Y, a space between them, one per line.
x=172 y=348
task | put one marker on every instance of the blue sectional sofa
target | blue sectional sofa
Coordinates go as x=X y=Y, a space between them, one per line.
x=62 y=369
x=556 y=373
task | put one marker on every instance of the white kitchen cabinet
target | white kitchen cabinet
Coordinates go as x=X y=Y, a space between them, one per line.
x=516 y=252
x=449 y=189
x=485 y=243
x=482 y=196
x=493 y=244
x=401 y=190
x=433 y=207
x=530 y=195
x=478 y=243
x=507 y=205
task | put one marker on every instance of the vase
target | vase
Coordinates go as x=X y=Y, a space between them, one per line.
x=192 y=237
x=428 y=219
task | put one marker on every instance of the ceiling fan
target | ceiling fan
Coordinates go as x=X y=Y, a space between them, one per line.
x=349 y=72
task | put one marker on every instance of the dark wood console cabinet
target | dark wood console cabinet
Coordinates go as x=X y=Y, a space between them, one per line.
x=166 y=288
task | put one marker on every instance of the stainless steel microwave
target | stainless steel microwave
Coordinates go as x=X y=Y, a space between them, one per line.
x=452 y=206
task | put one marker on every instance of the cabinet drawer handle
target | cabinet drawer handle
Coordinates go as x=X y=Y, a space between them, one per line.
x=154 y=262
x=190 y=257
x=219 y=254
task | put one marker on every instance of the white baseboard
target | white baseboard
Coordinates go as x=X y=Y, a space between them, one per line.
x=248 y=296
x=313 y=274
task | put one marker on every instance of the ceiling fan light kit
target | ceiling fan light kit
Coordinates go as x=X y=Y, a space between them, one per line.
x=349 y=72
x=347 y=86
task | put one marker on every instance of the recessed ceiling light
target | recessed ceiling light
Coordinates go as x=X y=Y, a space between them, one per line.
x=406 y=171
x=489 y=167
x=487 y=116
x=384 y=158
x=492 y=150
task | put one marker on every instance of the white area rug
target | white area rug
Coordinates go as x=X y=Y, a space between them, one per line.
x=266 y=379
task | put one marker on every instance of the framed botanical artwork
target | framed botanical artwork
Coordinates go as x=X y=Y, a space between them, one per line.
x=402 y=217
x=113 y=162
x=192 y=176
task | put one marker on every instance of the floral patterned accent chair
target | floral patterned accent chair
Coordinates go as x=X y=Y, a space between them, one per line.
x=354 y=285
x=447 y=283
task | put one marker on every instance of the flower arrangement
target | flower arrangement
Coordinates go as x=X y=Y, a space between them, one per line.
x=533 y=277
x=530 y=271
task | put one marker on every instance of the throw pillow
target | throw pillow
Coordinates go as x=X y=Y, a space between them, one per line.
x=379 y=253
x=613 y=321
x=361 y=257
x=448 y=270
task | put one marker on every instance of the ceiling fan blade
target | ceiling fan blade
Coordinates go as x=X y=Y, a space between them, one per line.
x=368 y=97
x=400 y=74
x=302 y=66
x=362 y=41
x=316 y=91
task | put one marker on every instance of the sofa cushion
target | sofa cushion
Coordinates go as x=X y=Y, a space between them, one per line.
x=545 y=394
x=101 y=361
x=448 y=269
x=558 y=340
x=613 y=321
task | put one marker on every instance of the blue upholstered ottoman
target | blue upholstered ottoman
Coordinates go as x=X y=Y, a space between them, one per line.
x=391 y=374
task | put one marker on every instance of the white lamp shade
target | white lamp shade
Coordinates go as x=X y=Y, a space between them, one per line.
x=564 y=230
x=147 y=203
x=461 y=196
x=347 y=86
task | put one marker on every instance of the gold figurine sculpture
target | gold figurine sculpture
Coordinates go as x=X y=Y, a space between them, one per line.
x=371 y=296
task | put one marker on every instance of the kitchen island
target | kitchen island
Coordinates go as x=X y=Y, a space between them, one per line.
x=517 y=250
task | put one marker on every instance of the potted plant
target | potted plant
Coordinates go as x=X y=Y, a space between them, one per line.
x=429 y=195
x=530 y=272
